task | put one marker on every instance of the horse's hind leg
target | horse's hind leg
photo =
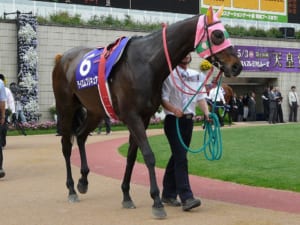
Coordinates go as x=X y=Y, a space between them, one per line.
x=87 y=122
x=67 y=149
x=67 y=143
x=131 y=157
x=82 y=185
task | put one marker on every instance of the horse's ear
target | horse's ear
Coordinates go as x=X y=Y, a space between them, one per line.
x=209 y=15
x=220 y=12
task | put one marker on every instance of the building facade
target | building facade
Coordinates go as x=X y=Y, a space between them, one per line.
x=57 y=39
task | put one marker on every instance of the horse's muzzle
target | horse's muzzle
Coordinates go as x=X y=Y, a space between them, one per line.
x=233 y=70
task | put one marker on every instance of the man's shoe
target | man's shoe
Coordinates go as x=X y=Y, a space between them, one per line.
x=171 y=201
x=2 y=173
x=190 y=204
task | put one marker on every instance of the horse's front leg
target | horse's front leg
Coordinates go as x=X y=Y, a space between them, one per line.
x=82 y=185
x=131 y=157
x=67 y=149
x=138 y=132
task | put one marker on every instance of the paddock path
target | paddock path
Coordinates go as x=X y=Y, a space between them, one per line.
x=34 y=192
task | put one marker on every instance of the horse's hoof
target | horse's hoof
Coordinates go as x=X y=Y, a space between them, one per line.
x=128 y=205
x=73 y=198
x=159 y=213
x=82 y=188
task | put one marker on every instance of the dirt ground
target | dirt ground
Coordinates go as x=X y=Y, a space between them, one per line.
x=34 y=193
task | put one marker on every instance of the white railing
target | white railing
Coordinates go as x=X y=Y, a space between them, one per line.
x=45 y=9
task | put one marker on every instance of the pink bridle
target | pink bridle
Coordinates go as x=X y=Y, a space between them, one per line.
x=204 y=47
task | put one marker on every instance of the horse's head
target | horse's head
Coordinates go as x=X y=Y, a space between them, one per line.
x=212 y=43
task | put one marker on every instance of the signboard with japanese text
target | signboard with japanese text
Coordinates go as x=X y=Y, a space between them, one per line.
x=268 y=59
x=261 y=10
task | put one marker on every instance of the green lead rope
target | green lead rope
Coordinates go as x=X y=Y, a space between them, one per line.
x=212 y=133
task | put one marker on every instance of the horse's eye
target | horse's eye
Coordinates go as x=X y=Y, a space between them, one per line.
x=217 y=37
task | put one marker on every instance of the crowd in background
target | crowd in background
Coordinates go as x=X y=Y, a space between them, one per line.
x=244 y=107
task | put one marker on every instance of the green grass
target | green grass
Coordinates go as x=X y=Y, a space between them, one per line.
x=119 y=127
x=31 y=132
x=266 y=156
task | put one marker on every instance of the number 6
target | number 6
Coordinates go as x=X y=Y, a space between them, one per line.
x=85 y=66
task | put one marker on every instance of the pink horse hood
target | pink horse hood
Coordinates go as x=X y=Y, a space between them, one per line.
x=202 y=42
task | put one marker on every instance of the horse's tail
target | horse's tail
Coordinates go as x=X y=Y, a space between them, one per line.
x=58 y=58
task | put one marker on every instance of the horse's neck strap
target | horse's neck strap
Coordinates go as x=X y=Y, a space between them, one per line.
x=104 y=88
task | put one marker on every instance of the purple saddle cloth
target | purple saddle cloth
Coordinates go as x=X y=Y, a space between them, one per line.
x=87 y=69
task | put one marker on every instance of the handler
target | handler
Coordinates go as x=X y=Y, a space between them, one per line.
x=176 y=179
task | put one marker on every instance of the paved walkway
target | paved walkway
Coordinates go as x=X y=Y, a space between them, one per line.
x=104 y=159
x=34 y=192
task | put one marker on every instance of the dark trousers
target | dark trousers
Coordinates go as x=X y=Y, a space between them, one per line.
x=58 y=124
x=3 y=133
x=266 y=109
x=176 y=178
x=1 y=157
x=279 y=113
x=107 y=125
x=217 y=111
x=3 y=130
x=293 y=112
x=234 y=115
x=1 y=148
x=273 y=114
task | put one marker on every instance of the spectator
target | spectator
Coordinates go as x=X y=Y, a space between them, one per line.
x=17 y=96
x=9 y=109
x=265 y=100
x=107 y=123
x=2 y=122
x=252 y=107
x=216 y=94
x=272 y=105
x=233 y=108
x=294 y=104
x=240 y=106
x=245 y=107
x=279 y=103
x=58 y=124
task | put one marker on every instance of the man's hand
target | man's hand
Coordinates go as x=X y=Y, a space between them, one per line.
x=208 y=118
x=178 y=113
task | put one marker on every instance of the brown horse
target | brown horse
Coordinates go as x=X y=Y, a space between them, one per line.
x=228 y=99
x=228 y=93
x=227 y=108
x=135 y=84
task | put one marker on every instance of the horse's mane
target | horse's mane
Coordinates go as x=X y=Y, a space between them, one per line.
x=158 y=31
